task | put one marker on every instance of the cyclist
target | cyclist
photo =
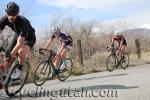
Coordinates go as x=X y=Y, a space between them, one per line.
x=23 y=39
x=117 y=36
x=66 y=45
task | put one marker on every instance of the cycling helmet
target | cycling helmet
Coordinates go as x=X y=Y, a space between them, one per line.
x=55 y=29
x=12 y=8
x=117 y=33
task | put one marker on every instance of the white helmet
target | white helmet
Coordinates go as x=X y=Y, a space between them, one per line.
x=117 y=33
x=55 y=29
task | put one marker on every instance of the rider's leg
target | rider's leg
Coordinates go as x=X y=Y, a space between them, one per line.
x=22 y=54
x=122 y=50
x=118 y=52
x=57 y=60
x=64 y=53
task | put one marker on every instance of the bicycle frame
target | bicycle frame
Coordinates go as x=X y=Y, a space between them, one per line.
x=8 y=72
x=50 y=58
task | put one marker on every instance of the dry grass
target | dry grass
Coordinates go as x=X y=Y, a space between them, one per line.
x=145 y=59
x=96 y=63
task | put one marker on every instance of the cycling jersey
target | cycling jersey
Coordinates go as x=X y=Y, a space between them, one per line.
x=21 y=27
x=63 y=37
x=120 y=38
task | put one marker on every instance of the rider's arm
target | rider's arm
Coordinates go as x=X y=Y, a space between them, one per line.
x=20 y=42
x=3 y=22
x=112 y=40
x=48 y=44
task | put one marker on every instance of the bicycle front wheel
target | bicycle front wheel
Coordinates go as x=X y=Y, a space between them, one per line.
x=111 y=62
x=42 y=73
x=65 y=72
x=13 y=87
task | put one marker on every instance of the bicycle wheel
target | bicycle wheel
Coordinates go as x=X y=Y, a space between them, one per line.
x=12 y=88
x=125 y=61
x=42 y=73
x=111 y=62
x=65 y=72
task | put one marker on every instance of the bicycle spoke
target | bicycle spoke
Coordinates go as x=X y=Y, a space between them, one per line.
x=125 y=61
x=13 y=85
x=42 y=73
x=111 y=62
x=66 y=70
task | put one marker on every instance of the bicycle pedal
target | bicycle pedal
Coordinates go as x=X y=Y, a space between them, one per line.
x=63 y=70
x=123 y=61
x=62 y=76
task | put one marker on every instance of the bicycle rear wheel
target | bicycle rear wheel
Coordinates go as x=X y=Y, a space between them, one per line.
x=42 y=73
x=125 y=61
x=66 y=71
x=111 y=62
x=12 y=88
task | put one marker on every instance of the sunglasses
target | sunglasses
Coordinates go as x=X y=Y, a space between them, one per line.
x=9 y=14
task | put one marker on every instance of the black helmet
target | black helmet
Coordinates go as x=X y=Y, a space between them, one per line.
x=12 y=8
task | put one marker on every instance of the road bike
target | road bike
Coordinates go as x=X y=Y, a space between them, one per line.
x=9 y=76
x=45 y=69
x=115 y=61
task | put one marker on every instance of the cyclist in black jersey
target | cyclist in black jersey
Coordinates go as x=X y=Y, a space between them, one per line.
x=66 y=44
x=24 y=37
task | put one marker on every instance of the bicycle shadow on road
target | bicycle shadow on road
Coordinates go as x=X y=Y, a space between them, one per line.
x=118 y=87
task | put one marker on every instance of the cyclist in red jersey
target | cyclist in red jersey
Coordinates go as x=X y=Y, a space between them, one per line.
x=117 y=36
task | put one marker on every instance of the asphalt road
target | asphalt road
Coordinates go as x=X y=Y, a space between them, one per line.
x=130 y=84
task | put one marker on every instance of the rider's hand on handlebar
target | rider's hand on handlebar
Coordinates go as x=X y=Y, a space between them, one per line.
x=8 y=59
x=108 y=48
x=41 y=50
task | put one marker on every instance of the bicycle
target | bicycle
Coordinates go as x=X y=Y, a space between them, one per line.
x=114 y=61
x=45 y=68
x=13 y=87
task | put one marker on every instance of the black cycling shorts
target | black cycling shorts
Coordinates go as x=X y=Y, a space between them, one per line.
x=30 y=43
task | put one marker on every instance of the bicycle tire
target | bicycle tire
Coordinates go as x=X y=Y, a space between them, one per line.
x=113 y=63
x=37 y=75
x=66 y=66
x=126 y=55
x=8 y=80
